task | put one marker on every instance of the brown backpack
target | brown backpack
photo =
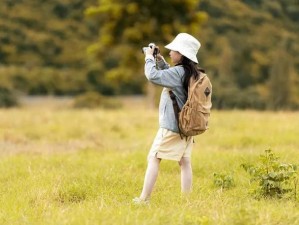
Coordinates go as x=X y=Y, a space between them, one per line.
x=194 y=116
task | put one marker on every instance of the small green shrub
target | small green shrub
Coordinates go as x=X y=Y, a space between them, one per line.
x=95 y=100
x=7 y=97
x=274 y=178
x=74 y=192
x=224 y=180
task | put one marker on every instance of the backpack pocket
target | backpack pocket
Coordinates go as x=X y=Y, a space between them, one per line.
x=192 y=121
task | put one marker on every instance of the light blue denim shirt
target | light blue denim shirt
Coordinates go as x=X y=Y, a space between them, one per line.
x=171 y=78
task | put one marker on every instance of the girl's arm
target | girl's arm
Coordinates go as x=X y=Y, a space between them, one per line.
x=170 y=77
x=162 y=64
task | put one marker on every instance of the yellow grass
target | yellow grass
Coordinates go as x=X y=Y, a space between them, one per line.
x=66 y=166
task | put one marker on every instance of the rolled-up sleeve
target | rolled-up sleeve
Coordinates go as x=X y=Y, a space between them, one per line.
x=170 y=78
x=162 y=64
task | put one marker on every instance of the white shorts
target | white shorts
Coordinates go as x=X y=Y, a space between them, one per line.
x=169 y=145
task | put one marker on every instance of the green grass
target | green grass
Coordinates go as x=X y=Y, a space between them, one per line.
x=84 y=167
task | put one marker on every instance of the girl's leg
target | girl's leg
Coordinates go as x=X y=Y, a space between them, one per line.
x=186 y=174
x=150 y=177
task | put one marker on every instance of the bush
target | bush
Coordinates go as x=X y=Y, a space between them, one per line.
x=95 y=100
x=236 y=98
x=275 y=179
x=7 y=97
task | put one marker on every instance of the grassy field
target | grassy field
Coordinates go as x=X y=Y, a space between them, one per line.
x=64 y=166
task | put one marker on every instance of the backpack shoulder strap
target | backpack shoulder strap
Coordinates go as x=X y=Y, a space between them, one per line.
x=193 y=83
x=176 y=110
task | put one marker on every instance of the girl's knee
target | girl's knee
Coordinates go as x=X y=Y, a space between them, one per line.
x=185 y=161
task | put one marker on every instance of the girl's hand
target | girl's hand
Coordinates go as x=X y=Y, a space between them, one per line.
x=159 y=57
x=149 y=51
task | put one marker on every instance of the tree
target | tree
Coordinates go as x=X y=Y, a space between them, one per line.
x=281 y=82
x=127 y=25
x=224 y=84
x=7 y=97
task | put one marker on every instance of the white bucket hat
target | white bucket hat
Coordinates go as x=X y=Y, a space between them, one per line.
x=185 y=44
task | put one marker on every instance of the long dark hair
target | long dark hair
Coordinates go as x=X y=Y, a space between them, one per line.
x=191 y=69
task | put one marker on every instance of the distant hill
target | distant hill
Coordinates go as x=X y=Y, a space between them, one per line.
x=249 y=48
x=43 y=45
x=45 y=33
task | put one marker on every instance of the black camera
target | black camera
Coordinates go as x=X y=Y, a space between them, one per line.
x=151 y=45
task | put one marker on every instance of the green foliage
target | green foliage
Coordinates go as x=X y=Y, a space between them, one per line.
x=45 y=80
x=249 y=50
x=232 y=97
x=43 y=46
x=95 y=100
x=7 y=97
x=54 y=35
x=251 y=47
x=275 y=179
x=128 y=25
x=224 y=180
x=282 y=81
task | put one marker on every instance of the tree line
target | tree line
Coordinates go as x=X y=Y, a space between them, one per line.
x=249 y=48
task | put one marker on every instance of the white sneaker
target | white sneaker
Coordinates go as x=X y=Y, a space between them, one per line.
x=139 y=201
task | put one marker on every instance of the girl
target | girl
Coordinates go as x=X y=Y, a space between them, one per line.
x=168 y=144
